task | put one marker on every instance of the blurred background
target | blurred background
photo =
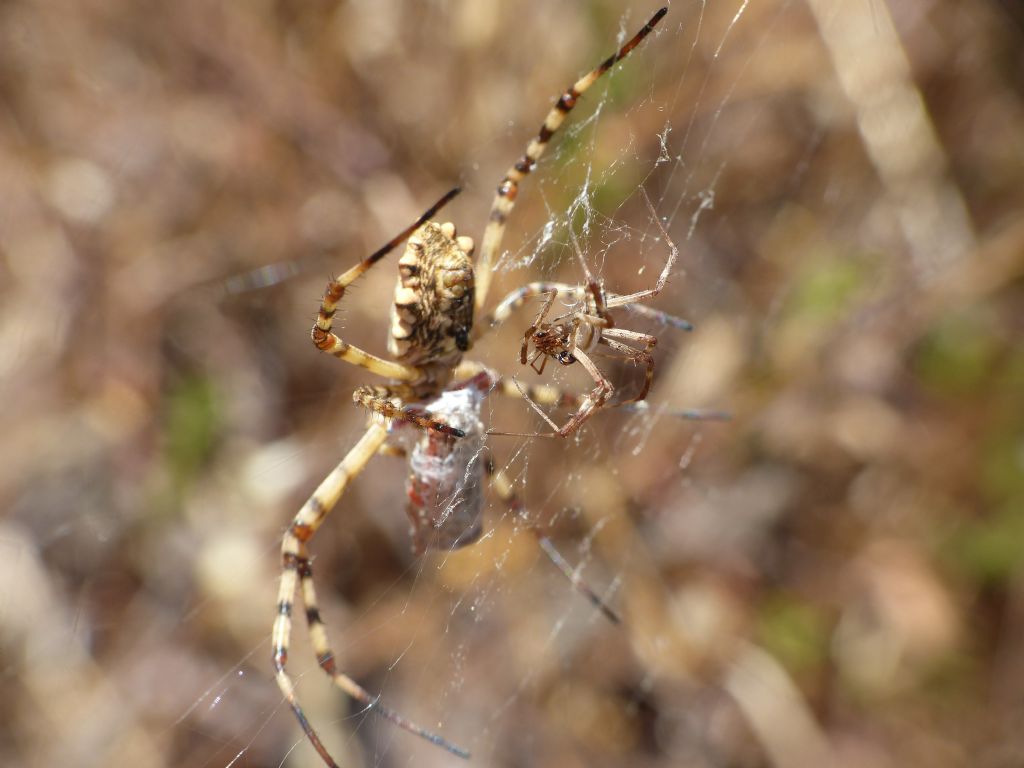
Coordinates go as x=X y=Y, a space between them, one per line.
x=834 y=577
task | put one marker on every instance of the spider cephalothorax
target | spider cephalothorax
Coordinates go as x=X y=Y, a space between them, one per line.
x=558 y=340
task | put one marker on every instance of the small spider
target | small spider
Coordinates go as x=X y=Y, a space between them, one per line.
x=568 y=337
x=438 y=294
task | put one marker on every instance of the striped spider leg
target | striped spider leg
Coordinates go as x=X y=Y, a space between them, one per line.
x=508 y=189
x=438 y=293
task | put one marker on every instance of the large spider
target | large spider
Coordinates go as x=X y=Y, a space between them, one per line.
x=431 y=389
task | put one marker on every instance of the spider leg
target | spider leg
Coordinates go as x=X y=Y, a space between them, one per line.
x=543 y=313
x=538 y=323
x=598 y=321
x=296 y=567
x=636 y=355
x=503 y=490
x=538 y=355
x=673 y=253
x=535 y=407
x=505 y=197
x=386 y=401
x=643 y=338
x=325 y=658
x=590 y=402
x=592 y=285
x=515 y=299
x=662 y=317
x=329 y=342
x=472 y=372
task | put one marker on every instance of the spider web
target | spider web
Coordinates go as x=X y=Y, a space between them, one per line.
x=232 y=157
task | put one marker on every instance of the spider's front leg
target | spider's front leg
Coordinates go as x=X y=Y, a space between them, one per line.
x=328 y=341
x=297 y=568
x=531 y=335
x=508 y=189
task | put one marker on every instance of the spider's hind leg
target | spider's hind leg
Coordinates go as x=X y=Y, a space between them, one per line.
x=503 y=489
x=636 y=355
x=296 y=568
x=325 y=658
x=326 y=340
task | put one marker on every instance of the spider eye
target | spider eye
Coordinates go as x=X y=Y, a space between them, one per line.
x=462 y=338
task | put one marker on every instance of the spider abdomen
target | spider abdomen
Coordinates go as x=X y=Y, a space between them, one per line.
x=432 y=314
x=445 y=485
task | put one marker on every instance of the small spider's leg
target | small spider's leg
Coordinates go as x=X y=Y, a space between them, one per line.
x=516 y=299
x=386 y=402
x=526 y=397
x=503 y=490
x=543 y=394
x=592 y=285
x=538 y=322
x=524 y=351
x=325 y=658
x=588 y=404
x=642 y=338
x=596 y=320
x=326 y=341
x=615 y=300
x=591 y=402
x=539 y=355
x=662 y=317
x=543 y=313
x=636 y=355
x=301 y=530
x=505 y=198
x=700 y=414
x=673 y=253
x=469 y=370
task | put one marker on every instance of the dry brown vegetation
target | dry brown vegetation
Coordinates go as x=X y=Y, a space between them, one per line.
x=832 y=578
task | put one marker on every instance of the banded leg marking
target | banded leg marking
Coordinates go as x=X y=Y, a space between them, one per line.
x=296 y=569
x=385 y=401
x=325 y=658
x=505 y=198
